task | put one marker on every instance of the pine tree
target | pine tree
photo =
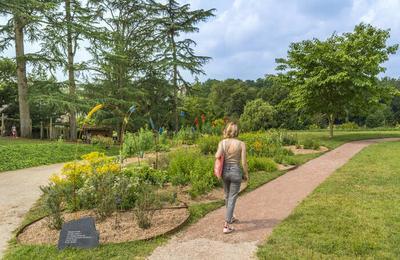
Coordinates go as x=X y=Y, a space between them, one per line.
x=173 y=22
x=23 y=20
x=122 y=53
x=67 y=25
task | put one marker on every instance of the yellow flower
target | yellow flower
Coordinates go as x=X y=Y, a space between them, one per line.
x=94 y=109
x=94 y=157
x=110 y=168
x=56 y=179
x=258 y=146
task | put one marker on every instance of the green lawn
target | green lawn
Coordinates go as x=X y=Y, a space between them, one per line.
x=341 y=136
x=355 y=214
x=24 y=153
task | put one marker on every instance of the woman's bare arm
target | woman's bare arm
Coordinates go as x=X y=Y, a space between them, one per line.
x=244 y=161
x=219 y=150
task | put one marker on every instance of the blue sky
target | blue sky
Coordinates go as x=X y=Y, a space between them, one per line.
x=246 y=36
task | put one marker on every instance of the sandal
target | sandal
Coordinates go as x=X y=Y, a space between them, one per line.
x=228 y=230
x=234 y=220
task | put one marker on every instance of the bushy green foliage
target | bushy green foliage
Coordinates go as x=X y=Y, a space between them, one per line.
x=375 y=119
x=191 y=167
x=102 y=141
x=181 y=163
x=264 y=144
x=148 y=174
x=261 y=164
x=136 y=144
x=208 y=144
x=145 y=205
x=257 y=115
x=52 y=199
x=311 y=144
x=186 y=135
x=348 y=126
x=98 y=183
x=202 y=177
x=286 y=159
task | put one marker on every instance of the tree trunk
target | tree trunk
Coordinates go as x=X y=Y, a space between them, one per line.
x=174 y=69
x=71 y=71
x=331 y=120
x=175 y=82
x=24 y=113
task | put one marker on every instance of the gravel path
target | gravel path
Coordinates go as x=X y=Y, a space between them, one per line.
x=259 y=211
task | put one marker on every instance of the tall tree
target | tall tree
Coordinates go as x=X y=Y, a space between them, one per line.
x=173 y=22
x=339 y=73
x=20 y=15
x=67 y=25
x=122 y=55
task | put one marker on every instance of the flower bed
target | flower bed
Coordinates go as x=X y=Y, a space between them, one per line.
x=117 y=228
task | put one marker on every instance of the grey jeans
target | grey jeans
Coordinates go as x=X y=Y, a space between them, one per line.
x=232 y=178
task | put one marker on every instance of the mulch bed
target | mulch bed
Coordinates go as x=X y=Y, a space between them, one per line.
x=305 y=151
x=163 y=221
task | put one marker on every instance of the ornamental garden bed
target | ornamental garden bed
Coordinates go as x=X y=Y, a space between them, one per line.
x=117 y=228
x=122 y=198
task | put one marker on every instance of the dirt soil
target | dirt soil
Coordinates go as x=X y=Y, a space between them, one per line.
x=120 y=227
x=296 y=150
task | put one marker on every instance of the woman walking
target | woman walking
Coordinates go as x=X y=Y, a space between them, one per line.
x=234 y=152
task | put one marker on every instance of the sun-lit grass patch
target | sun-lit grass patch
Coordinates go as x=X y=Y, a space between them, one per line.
x=353 y=215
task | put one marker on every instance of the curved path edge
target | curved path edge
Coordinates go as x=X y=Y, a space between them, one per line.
x=19 y=190
x=259 y=211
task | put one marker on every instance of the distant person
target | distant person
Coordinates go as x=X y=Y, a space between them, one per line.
x=234 y=152
x=14 y=131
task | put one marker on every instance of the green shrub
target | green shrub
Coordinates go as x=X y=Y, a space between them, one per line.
x=186 y=135
x=257 y=115
x=138 y=143
x=105 y=200
x=314 y=127
x=267 y=144
x=311 y=144
x=261 y=164
x=160 y=162
x=208 y=144
x=146 y=203
x=202 y=177
x=53 y=198
x=288 y=138
x=148 y=174
x=375 y=119
x=286 y=159
x=181 y=163
x=102 y=141
x=191 y=167
x=348 y=126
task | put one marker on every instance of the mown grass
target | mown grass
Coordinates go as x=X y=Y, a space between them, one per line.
x=355 y=214
x=24 y=153
x=340 y=136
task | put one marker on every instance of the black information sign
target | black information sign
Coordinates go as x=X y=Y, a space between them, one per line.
x=79 y=233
